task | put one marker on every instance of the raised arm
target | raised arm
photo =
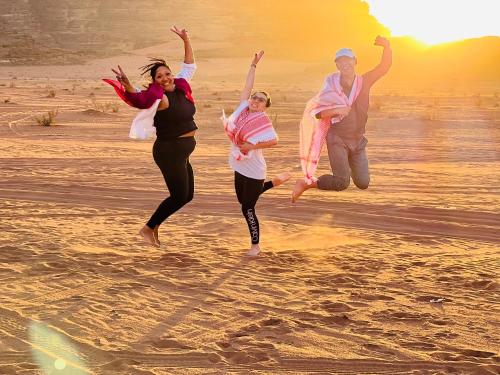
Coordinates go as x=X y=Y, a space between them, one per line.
x=123 y=79
x=385 y=62
x=247 y=90
x=188 y=50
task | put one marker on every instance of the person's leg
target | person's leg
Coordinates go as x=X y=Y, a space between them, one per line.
x=248 y=191
x=252 y=221
x=189 y=198
x=239 y=186
x=172 y=159
x=276 y=181
x=339 y=162
x=156 y=235
x=360 y=170
x=300 y=187
x=178 y=174
x=190 y=181
x=267 y=185
x=338 y=153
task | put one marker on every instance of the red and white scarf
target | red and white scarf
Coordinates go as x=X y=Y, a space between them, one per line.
x=148 y=101
x=243 y=125
x=313 y=131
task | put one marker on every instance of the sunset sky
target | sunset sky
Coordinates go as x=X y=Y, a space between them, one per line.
x=438 y=21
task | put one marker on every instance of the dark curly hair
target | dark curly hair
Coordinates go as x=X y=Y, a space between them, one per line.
x=153 y=66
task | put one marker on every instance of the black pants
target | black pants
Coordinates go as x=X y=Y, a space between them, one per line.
x=172 y=157
x=248 y=191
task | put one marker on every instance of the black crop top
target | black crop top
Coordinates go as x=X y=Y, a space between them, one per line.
x=177 y=119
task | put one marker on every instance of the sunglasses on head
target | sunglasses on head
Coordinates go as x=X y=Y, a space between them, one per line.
x=259 y=98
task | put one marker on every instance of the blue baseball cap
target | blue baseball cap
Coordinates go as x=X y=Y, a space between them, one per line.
x=347 y=52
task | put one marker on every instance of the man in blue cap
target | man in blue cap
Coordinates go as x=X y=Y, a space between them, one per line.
x=345 y=138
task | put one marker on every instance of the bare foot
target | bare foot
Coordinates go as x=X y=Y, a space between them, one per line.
x=281 y=178
x=148 y=235
x=155 y=234
x=254 y=250
x=299 y=188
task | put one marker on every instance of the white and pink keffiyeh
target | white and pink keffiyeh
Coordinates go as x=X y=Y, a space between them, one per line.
x=312 y=130
x=245 y=126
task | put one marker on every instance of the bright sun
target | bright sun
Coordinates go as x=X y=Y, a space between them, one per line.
x=438 y=21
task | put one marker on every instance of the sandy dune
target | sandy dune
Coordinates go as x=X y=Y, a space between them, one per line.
x=345 y=280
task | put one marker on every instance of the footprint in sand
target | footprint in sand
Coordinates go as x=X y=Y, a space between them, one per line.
x=273 y=270
x=436 y=301
x=167 y=343
x=289 y=258
x=483 y=285
x=446 y=335
x=338 y=320
x=247 y=314
x=178 y=260
x=371 y=297
x=335 y=307
x=418 y=345
x=402 y=316
x=445 y=356
x=476 y=353
x=247 y=352
x=245 y=357
x=270 y=322
x=378 y=349
x=223 y=344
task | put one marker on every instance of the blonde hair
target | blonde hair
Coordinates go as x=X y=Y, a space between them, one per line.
x=268 y=102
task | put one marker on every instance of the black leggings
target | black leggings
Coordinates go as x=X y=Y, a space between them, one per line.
x=172 y=157
x=248 y=191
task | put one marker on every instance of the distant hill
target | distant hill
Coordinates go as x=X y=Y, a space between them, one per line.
x=61 y=31
x=58 y=31
x=313 y=30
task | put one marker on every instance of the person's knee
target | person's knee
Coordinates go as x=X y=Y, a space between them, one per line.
x=182 y=199
x=336 y=183
x=341 y=183
x=247 y=206
x=362 y=183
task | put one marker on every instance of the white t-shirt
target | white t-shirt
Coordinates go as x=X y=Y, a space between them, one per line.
x=255 y=165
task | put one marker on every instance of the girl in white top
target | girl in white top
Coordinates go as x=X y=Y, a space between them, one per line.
x=250 y=131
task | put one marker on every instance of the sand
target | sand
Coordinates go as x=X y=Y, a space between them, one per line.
x=343 y=284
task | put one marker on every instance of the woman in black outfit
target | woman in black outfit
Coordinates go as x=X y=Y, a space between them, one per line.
x=175 y=130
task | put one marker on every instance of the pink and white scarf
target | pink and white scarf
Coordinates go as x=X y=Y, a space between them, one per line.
x=244 y=125
x=313 y=131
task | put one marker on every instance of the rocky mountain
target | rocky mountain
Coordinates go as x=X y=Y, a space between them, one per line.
x=71 y=31
x=67 y=31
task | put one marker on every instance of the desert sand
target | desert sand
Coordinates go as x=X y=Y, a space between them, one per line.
x=345 y=280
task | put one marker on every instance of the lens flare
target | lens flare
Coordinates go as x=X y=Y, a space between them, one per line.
x=53 y=353
x=60 y=364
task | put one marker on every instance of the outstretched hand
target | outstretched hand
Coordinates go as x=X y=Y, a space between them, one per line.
x=257 y=57
x=181 y=32
x=121 y=77
x=381 y=41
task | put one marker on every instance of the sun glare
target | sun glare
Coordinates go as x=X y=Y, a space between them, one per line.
x=438 y=21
